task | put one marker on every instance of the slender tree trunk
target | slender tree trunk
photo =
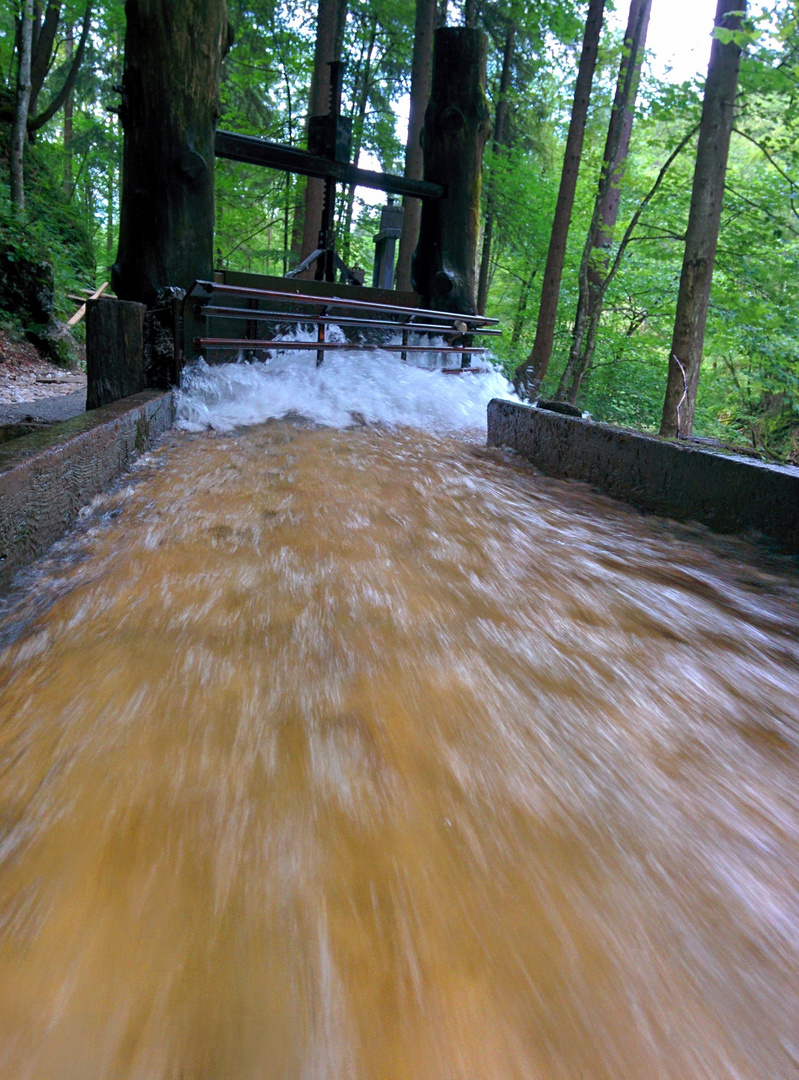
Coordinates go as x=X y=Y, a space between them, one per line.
x=530 y=374
x=42 y=43
x=35 y=122
x=499 y=142
x=442 y=13
x=470 y=13
x=109 y=209
x=16 y=153
x=520 y=317
x=329 y=39
x=421 y=68
x=359 y=119
x=704 y=218
x=69 y=43
x=594 y=263
x=169 y=110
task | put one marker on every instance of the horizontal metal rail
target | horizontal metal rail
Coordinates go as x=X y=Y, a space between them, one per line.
x=255 y=151
x=326 y=346
x=256 y=314
x=207 y=288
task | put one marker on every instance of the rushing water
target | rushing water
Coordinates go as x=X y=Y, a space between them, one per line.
x=370 y=753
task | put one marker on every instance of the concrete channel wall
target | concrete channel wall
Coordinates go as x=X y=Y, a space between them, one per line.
x=727 y=492
x=46 y=477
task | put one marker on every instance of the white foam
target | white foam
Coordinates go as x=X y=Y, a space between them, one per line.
x=376 y=386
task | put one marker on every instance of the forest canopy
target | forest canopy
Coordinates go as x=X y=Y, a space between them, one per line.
x=749 y=384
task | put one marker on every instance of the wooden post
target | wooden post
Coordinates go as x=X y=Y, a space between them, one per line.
x=114 y=350
x=456 y=127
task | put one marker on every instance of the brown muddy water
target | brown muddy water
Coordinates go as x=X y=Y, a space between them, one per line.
x=370 y=754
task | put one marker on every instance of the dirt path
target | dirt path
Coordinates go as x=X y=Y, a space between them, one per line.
x=32 y=386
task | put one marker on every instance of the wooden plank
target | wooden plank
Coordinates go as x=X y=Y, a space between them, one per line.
x=76 y=318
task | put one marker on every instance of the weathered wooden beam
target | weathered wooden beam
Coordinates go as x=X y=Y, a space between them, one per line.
x=256 y=151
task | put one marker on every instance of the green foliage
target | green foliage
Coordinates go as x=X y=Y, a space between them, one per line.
x=749 y=387
x=51 y=230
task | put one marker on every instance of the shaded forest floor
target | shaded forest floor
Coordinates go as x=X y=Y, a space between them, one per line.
x=25 y=375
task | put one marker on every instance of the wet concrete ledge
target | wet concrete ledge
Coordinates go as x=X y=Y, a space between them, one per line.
x=46 y=477
x=727 y=492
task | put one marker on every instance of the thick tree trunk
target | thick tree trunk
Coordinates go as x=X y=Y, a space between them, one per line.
x=704 y=217
x=329 y=38
x=16 y=151
x=456 y=127
x=530 y=374
x=594 y=263
x=499 y=142
x=173 y=56
x=421 y=71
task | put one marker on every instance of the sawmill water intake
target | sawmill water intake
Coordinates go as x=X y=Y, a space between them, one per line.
x=365 y=752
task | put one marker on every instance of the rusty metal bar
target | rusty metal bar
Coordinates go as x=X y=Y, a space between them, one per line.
x=207 y=288
x=213 y=312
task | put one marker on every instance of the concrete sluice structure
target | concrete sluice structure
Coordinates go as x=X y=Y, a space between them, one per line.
x=366 y=751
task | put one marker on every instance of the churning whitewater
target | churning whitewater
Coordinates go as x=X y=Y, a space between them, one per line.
x=375 y=388
x=345 y=750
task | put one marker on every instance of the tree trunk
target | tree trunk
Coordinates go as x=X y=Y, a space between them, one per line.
x=36 y=122
x=421 y=70
x=520 y=317
x=594 y=263
x=499 y=141
x=530 y=374
x=42 y=42
x=69 y=43
x=456 y=127
x=16 y=151
x=704 y=217
x=361 y=100
x=329 y=38
x=109 y=207
x=170 y=90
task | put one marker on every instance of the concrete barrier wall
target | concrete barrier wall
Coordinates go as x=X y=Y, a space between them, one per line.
x=46 y=477
x=727 y=492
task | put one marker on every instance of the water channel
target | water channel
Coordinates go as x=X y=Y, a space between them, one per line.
x=352 y=749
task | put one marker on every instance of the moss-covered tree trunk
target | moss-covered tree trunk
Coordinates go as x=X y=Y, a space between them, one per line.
x=529 y=375
x=16 y=150
x=596 y=253
x=456 y=126
x=704 y=219
x=170 y=92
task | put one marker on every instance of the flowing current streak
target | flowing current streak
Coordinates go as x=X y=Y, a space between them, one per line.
x=366 y=752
